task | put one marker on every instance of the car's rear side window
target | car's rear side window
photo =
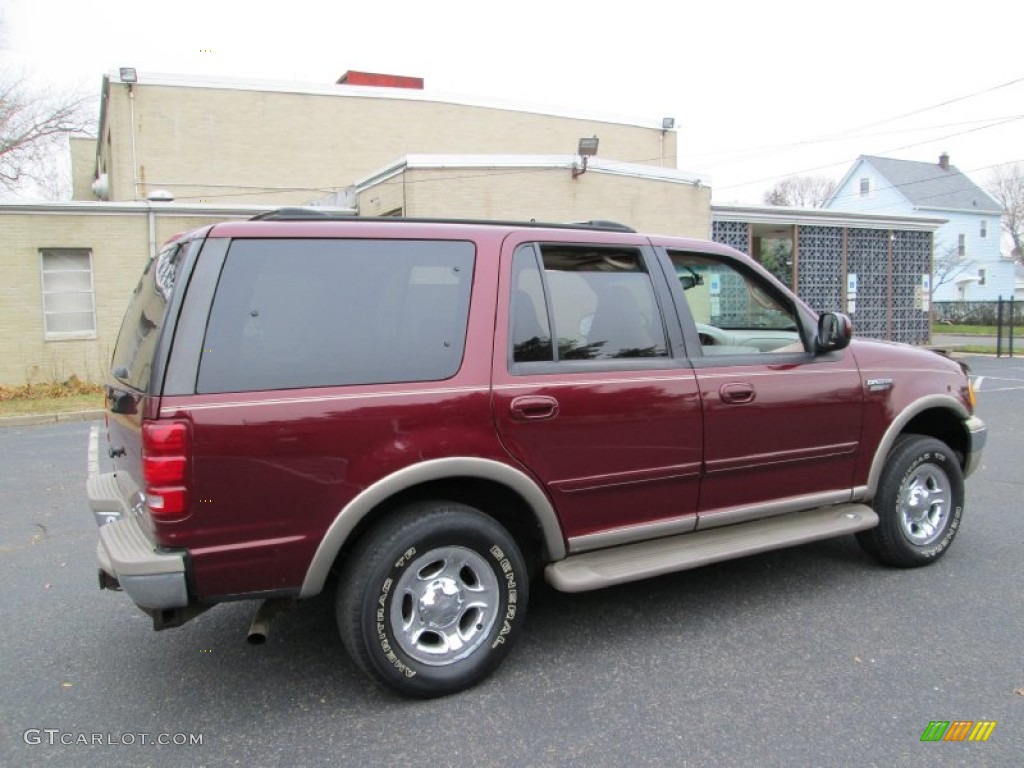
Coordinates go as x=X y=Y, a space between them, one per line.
x=311 y=313
x=140 y=329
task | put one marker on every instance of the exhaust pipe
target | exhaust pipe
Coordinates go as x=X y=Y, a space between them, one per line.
x=260 y=627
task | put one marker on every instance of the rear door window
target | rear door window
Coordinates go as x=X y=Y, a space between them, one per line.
x=311 y=313
x=596 y=302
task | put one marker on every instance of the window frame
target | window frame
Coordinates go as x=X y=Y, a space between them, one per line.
x=865 y=186
x=49 y=335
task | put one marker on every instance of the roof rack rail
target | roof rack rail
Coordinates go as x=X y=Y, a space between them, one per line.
x=603 y=224
x=294 y=213
x=314 y=214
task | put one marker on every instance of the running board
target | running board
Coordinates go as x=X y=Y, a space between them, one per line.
x=632 y=562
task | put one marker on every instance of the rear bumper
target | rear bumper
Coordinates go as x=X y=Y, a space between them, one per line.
x=154 y=580
x=977 y=434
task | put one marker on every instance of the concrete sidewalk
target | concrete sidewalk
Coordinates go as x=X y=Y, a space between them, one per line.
x=31 y=419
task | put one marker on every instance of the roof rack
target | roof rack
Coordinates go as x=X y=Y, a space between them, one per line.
x=314 y=214
x=296 y=213
x=604 y=225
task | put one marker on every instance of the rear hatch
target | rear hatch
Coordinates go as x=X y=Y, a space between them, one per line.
x=135 y=380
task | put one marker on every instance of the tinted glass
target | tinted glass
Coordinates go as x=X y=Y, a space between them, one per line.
x=602 y=302
x=136 y=343
x=311 y=313
x=531 y=332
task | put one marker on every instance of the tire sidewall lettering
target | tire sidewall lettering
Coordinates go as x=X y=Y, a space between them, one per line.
x=507 y=576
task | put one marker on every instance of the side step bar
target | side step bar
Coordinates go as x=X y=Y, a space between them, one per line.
x=632 y=562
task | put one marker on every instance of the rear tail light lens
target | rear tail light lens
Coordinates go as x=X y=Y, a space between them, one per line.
x=165 y=468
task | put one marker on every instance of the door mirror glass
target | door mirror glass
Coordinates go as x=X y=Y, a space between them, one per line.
x=834 y=332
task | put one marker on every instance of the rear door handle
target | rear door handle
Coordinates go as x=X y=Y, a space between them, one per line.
x=737 y=393
x=534 y=408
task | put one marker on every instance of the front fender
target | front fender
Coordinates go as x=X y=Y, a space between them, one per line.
x=974 y=432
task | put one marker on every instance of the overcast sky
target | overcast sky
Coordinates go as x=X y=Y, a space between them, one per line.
x=759 y=90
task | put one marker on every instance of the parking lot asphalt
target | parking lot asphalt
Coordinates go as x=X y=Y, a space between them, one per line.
x=811 y=656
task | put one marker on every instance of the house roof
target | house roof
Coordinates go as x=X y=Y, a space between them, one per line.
x=929 y=185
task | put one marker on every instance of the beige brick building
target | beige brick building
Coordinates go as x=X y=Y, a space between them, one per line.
x=236 y=140
x=227 y=149
x=535 y=187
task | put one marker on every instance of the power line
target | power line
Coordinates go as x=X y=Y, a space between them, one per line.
x=892 y=149
x=849 y=133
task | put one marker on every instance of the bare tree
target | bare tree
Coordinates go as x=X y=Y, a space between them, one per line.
x=34 y=125
x=801 y=191
x=1006 y=184
x=947 y=267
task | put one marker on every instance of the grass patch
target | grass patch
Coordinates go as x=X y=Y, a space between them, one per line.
x=50 y=397
x=967 y=330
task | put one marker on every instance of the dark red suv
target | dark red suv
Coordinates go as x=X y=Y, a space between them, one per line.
x=439 y=412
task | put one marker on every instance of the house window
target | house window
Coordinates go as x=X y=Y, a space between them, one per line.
x=69 y=306
x=984 y=228
x=981 y=277
x=961 y=246
x=865 y=187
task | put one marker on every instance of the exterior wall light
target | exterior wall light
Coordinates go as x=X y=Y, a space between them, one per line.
x=586 y=148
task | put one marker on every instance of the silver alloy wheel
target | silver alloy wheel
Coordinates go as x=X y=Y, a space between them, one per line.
x=924 y=504
x=444 y=605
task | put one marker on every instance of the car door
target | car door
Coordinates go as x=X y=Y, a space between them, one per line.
x=591 y=390
x=781 y=424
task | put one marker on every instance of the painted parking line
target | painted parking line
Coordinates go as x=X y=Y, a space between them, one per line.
x=997 y=384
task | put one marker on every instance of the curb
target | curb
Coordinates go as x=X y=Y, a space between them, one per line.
x=33 y=419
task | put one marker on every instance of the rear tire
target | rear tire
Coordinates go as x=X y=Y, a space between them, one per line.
x=920 y=501
x=431 y=600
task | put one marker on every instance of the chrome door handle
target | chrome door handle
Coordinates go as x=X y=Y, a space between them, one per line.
x=534 y=408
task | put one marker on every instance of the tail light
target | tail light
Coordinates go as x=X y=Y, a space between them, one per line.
x=165 y=468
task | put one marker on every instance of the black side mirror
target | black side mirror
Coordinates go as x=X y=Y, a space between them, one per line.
x=834 y=332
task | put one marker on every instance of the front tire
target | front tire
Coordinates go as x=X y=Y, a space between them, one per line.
x=432 y=599
x=920 y=502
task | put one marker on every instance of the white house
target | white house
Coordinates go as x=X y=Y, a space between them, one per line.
x=967 y=264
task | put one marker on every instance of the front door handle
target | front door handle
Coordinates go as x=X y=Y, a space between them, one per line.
x=737 y=393
x=534 y=408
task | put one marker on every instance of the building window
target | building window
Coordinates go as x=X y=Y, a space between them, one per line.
x=984 y=228
x=961 y=246
x=865 y=187
x=981 y=277
x=69 y=306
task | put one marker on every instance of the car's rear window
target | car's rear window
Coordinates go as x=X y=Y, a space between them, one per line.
x=310 y=313
x=140 y=329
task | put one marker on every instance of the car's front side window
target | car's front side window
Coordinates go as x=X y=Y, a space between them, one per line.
x=735 y=311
